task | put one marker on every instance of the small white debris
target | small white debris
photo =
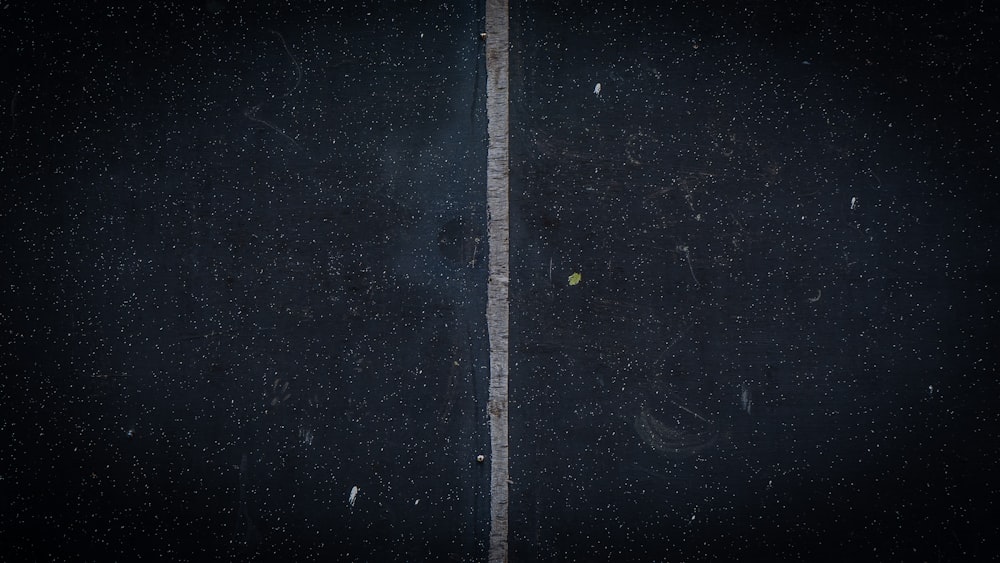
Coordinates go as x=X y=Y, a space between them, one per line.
x=354 y=495
x=746 y=398
x=854 y=202
x=597 y=89
x=416 y=502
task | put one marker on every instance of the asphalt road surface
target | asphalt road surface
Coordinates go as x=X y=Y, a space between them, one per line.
x=752 y=290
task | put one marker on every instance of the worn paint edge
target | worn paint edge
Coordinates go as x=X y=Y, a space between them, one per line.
x=498 y=231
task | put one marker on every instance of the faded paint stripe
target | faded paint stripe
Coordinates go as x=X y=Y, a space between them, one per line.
x=498 y=229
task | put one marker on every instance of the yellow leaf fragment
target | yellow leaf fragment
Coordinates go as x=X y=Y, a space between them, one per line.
x=575 y=278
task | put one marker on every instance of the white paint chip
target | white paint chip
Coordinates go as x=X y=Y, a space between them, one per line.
x=746 y=398
x=354 y=495
x=597 y=89
x=854 y=202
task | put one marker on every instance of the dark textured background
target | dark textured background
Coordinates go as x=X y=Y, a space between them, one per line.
x=188 y=227
x=231 y=296
x=751 y=368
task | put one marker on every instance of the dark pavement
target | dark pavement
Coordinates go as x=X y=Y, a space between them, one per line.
x=244 y=290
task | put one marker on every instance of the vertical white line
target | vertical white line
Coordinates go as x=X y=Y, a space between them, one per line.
x=498 y=230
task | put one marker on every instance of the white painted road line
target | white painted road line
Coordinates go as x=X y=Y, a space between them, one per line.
x=498 y=229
